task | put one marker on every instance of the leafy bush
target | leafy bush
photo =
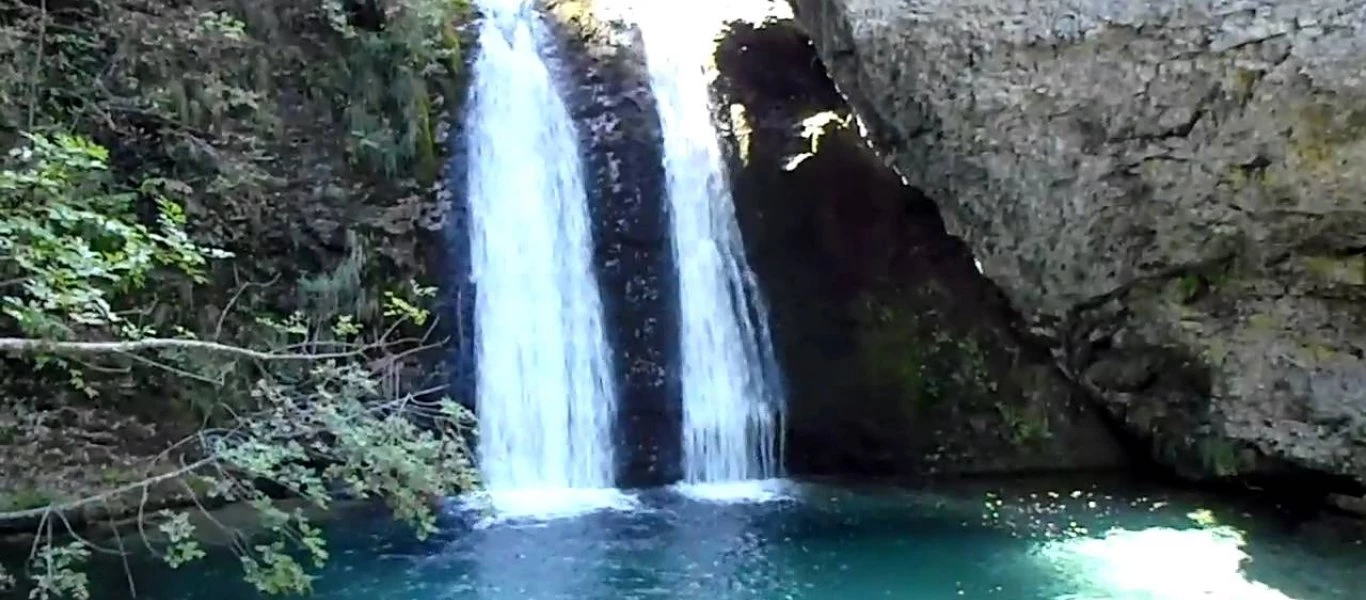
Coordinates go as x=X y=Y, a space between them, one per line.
x=70 y=241
x=209 y=115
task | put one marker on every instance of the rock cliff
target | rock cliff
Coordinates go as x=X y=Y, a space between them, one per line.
x=902 y=360
x=1171 y=192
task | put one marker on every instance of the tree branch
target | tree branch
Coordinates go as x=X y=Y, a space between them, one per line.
x=26 y=346
x=36 y=76
x=66 y=507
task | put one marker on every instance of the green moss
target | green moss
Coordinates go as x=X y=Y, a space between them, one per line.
x=1221 y=457
x=916 y=359
x=427 y=169
x=972 y=373
x=1188 y=287
x=1268 y=184
x=1199 y=281
x=1241 y=81
x=889 y=352
x=1313 y=352
x=1025 y=425
x=117 y=475
x=1215 y=351
x=1348 y=270
x=1322 y=130
x=24 y=498
x=1263 y=322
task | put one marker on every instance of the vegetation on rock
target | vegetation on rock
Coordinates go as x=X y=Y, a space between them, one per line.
x=190 y=310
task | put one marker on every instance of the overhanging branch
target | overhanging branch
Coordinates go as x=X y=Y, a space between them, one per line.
x=31 y=346
x=35 y=514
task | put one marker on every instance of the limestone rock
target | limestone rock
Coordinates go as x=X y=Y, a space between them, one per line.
x=902 y=360
x=1173 y=192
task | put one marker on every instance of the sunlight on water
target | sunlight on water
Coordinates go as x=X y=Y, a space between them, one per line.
x=1158 y=563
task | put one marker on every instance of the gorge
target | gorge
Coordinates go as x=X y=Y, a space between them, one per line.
x=634 y=299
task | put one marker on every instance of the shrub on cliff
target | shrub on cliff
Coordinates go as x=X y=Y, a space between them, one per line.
x=74 y=255
x=164 y=251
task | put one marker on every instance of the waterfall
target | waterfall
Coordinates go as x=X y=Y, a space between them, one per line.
x=732 y=398
x=546 y=401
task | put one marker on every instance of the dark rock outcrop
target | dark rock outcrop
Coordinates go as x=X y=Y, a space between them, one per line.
x=902 y=358
x=1171 y=192
x=608 y=92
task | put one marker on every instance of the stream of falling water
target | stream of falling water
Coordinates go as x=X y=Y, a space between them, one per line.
x=732 y=397
x=546 y=401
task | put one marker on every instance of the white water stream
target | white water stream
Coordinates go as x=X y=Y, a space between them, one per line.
x=546 y=401
x=732 y=396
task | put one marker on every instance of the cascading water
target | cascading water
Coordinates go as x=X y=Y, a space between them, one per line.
x=732 y=397
x=546 y=401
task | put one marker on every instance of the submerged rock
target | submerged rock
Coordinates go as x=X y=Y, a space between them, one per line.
x=1171 y=192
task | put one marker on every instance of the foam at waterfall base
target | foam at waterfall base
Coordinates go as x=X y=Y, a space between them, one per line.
x=738 y=492
x=543 y=504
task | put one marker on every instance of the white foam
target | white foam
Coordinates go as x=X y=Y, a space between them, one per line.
x=752 y=491
x=545 y=504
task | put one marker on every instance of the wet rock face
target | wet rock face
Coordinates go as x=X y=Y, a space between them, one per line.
x=901 y=358
x=608 y=93
x=1171 y=192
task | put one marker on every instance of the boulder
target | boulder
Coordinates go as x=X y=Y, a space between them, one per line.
x=1172 y=193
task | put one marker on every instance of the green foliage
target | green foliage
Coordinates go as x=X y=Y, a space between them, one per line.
x=218 y=116
x=181 y=547
x=313 y=427
x=397 y=306
x=331 y=428
x=328 y=434
x=57 y=572
x=274 y=571
x=392 y=78
x=70 y=241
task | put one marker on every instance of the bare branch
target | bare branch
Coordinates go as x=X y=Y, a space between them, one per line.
x=36 y=76
x=123 y=553
x=174 y=370
x=218 y=329
x=45 y=512
x=23 y=346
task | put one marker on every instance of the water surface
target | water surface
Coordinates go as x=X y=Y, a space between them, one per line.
x=814 y=542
